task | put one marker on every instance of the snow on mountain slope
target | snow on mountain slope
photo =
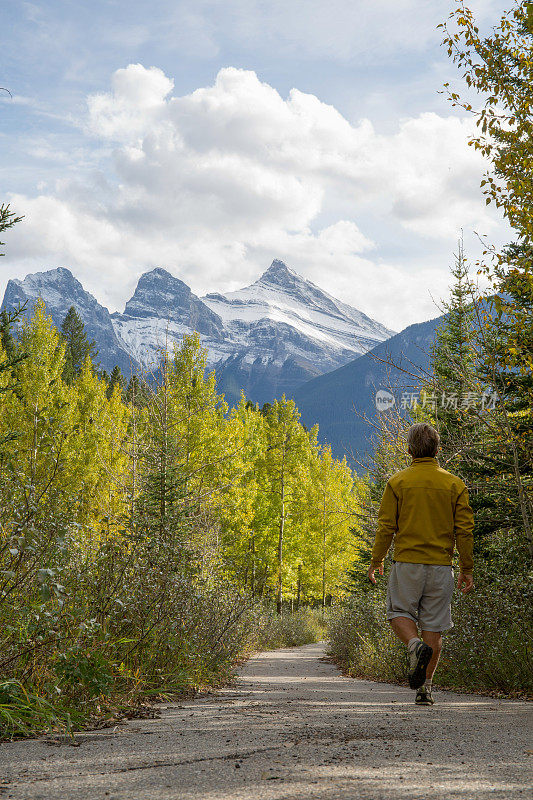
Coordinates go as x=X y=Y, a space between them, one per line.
x=284 y=297
x=278 y=317
x=266 y=339
x=286 y=330
x=161 y=311
x=147 y=337
x=60 y=290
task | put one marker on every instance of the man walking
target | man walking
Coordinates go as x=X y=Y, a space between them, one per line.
x=427 y=511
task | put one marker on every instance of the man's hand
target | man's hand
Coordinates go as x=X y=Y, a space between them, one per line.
x=371 y=571
x=468 y=582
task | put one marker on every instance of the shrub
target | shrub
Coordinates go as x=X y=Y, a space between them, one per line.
x=490 y=647
x=291 y=630
x=361 y=640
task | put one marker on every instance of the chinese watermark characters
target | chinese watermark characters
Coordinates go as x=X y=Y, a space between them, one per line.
x=431 y=401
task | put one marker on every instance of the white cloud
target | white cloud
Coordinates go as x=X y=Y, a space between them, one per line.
x=133 y=105
x=216 y=183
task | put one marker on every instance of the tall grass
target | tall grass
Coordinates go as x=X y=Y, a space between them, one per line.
x=23 y=713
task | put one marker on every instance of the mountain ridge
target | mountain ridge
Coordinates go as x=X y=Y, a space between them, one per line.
x=354 y=385
x=60 y=290
x=266 y=338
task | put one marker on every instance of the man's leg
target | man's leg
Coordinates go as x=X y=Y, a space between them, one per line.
x=404 y=628
x=435 y=611
x=404 y=589
x=420 y=652
x=434 y=640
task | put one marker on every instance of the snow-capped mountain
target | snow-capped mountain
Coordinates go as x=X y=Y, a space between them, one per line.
x=266 y=339
x=283 y=297
x=161 y=311
x=284 y=331
x=60 y=290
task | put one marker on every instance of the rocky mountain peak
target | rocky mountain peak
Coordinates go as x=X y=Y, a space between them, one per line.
x=279 y=274
x=55 y=286
x=158 y=274
x=60 y=290
x=158 y=293
x=161 y=295
x=281 y=280
x=266 y=338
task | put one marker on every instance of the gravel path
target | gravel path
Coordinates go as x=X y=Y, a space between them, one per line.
x=293 y=728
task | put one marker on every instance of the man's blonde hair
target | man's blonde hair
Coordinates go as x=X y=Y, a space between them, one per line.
x=423 y=440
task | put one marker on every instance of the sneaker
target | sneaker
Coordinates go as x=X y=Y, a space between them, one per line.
x=424 y=697
x=418 y=661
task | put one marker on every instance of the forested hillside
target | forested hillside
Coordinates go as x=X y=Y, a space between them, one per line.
x=343 y=402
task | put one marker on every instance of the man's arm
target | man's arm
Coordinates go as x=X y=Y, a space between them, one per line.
x=464 y=539
x=387 y=527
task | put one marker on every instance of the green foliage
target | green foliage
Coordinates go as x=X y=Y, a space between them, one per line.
x=361 y=640
x=89 y=672
x=6 y=333
x=134 y=530
x=490 y=647
x=289 y=523
x=77 y=347
x=8 y=218
x=23 y=713
x=499 y=67
x=304 y=626
x=116 y=381
x=453 y=359
x=137 y=392
x=485 y=345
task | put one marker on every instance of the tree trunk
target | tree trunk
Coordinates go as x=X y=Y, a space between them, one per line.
x=324 y=554
x=279 y=600
x=252 y=578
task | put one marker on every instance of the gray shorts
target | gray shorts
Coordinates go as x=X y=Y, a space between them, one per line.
x=421 y=592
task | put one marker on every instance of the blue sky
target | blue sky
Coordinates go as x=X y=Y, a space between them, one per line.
x=212 y=137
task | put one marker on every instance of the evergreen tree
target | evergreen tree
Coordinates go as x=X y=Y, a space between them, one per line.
x=7 y=220
x=366 y=507
x=137 y=392
x=6 y=335
x=498 y=67
x=502 y=462
x=133 y=390
x=455 y=390
x=116 y=379
x=187 y=446
x=77 y=346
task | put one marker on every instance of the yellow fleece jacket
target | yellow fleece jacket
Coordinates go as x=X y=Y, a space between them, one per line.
x=427 y=511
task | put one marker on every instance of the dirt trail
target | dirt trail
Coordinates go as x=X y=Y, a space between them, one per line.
x=293 y=728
